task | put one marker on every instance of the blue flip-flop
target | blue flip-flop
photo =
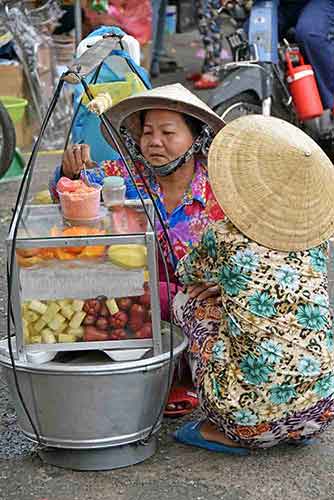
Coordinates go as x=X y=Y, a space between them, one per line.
x=303 y=442
x=190 y=434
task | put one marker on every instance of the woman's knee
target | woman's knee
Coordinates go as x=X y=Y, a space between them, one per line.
x=303 y=31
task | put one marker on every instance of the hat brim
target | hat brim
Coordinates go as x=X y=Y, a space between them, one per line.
x=170 y=97
x=273 y=182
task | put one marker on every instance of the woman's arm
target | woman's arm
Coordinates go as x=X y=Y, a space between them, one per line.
x=73 y=161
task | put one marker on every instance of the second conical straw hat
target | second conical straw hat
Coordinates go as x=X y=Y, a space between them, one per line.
x=274 y=183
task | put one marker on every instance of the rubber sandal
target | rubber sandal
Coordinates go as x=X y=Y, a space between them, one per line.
x=181 y=396
x=205 y=84
x=190 y=434
x=304 y=442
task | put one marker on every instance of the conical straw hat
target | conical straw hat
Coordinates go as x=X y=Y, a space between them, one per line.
x=273 y=182
x=172 y=97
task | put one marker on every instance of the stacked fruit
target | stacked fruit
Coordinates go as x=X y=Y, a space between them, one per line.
x=124 y=256
x=118 y=319
x=100 y=319
x=49 y=322
x=28 y=257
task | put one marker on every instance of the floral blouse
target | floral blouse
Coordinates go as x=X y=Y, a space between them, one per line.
x=274 y=352
x=187 y=221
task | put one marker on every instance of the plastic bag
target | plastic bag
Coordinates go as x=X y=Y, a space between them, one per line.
x=133 y=16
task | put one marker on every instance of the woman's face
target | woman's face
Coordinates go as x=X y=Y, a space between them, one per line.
x=165 y=136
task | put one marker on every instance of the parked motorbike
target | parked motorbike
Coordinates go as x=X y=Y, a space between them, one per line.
x=269 y=76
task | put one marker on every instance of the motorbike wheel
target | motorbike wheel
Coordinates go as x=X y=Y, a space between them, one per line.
x=243 y=104
x=7 y=140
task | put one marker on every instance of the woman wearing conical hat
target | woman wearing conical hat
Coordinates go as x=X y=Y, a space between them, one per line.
x=262 y=359
x=168 y=130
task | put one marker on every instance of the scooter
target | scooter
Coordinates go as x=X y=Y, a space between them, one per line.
x=269 y=77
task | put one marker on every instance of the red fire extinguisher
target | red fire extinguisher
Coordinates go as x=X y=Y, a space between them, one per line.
x=303 y=87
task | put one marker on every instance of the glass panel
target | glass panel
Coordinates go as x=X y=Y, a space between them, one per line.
x=82 y=272
x=91 y=320
x=48 y=222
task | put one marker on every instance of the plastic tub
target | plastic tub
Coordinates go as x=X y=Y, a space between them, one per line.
x=15 y=107
x=81 y=206
x=113 y=191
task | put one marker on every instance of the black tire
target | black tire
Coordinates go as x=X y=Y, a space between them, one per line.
x=7 y=140
x=243 y=104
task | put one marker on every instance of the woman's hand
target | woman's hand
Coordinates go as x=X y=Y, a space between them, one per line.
x=204 y=291
x=75 y=157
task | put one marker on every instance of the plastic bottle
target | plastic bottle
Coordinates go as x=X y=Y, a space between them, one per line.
x=303 y=87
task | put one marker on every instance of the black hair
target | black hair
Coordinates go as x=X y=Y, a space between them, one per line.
x=194 y=125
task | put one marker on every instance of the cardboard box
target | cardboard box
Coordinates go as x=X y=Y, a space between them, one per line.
x=25 y=132
x=12 y=82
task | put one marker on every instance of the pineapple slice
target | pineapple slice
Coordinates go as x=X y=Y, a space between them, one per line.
x=63 y=337
x=24 y=308
x=37 y=306
x=75 y=332
x=26 y=331
x=77 y=305
x=30 y=316
x=112 y=306
x=39 y=325
x=77 y=319
x=36 y=339
x=48 y=336
x=51 y=312
x=63 y=302
x=67 y=311
x=57 y=324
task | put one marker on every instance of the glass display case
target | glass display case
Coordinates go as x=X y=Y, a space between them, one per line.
x=86 y=286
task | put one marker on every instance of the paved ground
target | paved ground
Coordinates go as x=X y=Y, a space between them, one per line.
x=176 y=472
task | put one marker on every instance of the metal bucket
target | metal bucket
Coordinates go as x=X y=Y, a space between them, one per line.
x=92 y=412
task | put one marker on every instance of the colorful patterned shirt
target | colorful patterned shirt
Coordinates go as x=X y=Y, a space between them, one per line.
x=185 y=224
x=274 y=353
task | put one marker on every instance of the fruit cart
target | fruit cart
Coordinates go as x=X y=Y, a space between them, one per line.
x=81 y=287
x=91 y=359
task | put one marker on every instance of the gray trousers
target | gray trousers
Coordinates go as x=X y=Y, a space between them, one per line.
x=159 y=8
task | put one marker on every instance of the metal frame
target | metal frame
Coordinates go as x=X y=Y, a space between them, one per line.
x=147 y=239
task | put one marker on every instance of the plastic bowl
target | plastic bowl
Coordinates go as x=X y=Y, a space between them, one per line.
x=15 y=107
x=80 y=206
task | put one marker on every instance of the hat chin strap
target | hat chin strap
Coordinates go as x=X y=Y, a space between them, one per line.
x=201 y=143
